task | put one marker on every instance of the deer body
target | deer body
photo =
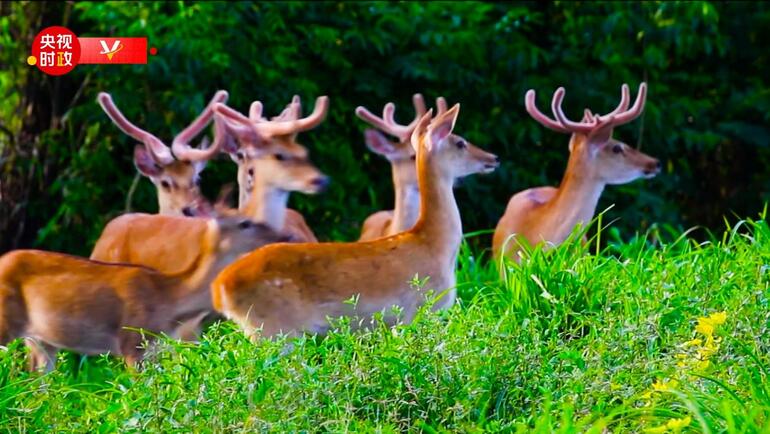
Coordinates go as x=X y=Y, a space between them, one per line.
x=548 y=214
x=292 y=288
x=65 y=302
x=182 y=246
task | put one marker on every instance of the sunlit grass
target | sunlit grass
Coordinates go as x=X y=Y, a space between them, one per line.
x=576 y=339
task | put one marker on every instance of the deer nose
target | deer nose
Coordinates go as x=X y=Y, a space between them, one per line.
x=320 y=183
x=493 y=162
x=653 y=167
x=187 y=211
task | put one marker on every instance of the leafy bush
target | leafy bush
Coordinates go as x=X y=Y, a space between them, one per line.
x=66 y=169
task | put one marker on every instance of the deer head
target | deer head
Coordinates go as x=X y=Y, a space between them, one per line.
x=454 y=156
x=594 y=153
x=267 y=151
x=399 y=152
x=177 y=179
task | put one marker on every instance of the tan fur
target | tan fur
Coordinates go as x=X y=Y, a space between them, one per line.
x=177 y=187
x=65 y=302
x=182 y=246
x=549 y=215
x=265 y=182
x=406 y=210
x=401 y=155
x=271 y=165
x=292 y=288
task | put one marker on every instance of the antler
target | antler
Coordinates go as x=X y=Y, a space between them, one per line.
x=292 y=112
x=387 y=123
x=181 y=146
x=256 y=128
x=289 y=122
x=621 y=115
x=160 y=152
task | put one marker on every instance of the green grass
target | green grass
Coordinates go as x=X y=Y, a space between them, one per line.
x=573 y=342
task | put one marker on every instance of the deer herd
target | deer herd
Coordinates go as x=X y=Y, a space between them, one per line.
x=260 y=265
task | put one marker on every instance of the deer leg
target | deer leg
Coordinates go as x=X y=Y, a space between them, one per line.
x=130 y=343
x=13 y=316
x=42 y=356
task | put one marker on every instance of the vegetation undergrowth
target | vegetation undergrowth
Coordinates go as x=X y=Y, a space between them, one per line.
x=658 y=333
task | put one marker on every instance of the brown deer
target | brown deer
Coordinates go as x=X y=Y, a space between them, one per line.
x=58 y=301
x=401 y=156
x=271 y=163
x=293 y=288
x=177 y=179
x=549 y=214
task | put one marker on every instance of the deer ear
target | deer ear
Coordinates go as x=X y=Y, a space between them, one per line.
x=442 y=127
x=419 y=130
x=600 y=135
x=145 y=164
x=378 y=143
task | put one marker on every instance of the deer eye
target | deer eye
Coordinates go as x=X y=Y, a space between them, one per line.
x=165 y=184
x=617 y=149
x=461 y=144
x=279 y=157
x=251 y=172
x=245 y=224
x=413 y=157
x=239 y=155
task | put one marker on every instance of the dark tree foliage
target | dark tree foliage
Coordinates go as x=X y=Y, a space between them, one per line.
x=66 y=170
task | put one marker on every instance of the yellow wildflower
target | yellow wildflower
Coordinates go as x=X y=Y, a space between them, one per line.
x=718 y=318
x=673 y=425
x=704 y=353
x=677 y=425
x=656 y=429
x=664 y=386
x=693 y=343
x=707 y=325
x=702 y=365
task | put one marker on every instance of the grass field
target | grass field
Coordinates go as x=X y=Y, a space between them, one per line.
x=656 y=334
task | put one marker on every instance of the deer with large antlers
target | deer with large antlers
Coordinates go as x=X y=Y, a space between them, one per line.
x=271 y=163
x=549 y=214
x=294 y=288
x=58 y=301
x=176 y=179
x=402 y=157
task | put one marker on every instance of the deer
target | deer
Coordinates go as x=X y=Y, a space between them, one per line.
x=271 y=163
x=176 y=179
x=549 y=214
x=401 y=156
x=291 y=288
x=57 y=301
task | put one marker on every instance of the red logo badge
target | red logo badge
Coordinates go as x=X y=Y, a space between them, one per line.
x=56 y=51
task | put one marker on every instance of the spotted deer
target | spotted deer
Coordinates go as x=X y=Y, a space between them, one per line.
x=58 y=301
x=271 y=163
x=176 y=179
x=294 y=288
x=549 y=214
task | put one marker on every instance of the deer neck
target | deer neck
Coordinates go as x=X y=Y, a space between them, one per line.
x=267 y=204
x=407 y=205
x=439 y=222
x=576 y=199
x=190 y=294
x=164 y=204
